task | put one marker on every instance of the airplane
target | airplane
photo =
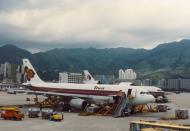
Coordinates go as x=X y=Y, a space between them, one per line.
x=155 y=91
x=88 y=79
x=80 y=95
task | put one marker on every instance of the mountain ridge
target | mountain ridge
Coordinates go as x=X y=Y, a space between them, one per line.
x=173 y=56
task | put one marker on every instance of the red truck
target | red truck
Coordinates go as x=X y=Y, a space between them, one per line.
x=12 y=113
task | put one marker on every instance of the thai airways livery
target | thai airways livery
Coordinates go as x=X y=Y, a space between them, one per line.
x=155 y=91
x=79 y=95
x=88 y=78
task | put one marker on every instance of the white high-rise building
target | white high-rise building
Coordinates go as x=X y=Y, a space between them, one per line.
x=8 y=72
x=65 y=77
x=121 y=74
x=1 y=69
x=129 y=74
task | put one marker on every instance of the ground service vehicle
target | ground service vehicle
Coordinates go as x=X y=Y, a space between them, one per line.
x=156 y=126
x=11 y=113
x=33 y=112
x=46 y=113
x=55 y=116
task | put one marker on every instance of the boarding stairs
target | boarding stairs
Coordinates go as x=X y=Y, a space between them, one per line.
x=122 y=103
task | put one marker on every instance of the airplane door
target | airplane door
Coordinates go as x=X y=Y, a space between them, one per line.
x=131 y=92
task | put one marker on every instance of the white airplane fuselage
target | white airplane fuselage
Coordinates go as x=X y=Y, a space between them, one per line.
x=90 y=90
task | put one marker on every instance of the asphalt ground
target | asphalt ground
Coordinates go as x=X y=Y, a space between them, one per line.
x=74 y=122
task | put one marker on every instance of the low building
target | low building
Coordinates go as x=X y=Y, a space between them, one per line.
x=185 y=84
x=173 y=84
x=147 y=82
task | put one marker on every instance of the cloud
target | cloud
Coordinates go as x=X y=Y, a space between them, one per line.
x=97 y=23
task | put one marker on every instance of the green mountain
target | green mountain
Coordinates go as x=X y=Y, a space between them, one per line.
x=169 y=60
x=97 y=60
x=13 y=54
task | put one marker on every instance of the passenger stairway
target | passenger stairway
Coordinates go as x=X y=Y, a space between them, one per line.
x=123 y=101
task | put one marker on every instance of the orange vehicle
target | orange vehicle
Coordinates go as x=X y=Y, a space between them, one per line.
x=12 y=113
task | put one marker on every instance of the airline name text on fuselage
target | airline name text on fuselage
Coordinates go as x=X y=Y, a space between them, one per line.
x=99 y=88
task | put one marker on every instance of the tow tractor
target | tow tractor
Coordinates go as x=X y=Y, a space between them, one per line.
x=56 y=116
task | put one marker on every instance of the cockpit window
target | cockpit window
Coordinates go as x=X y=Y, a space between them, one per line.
x=144 y=93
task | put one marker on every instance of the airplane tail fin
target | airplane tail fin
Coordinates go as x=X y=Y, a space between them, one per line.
x=30 y=73
x=88 y=76
x=88 y=79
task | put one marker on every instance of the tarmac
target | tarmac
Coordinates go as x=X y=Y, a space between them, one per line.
x=74 y=122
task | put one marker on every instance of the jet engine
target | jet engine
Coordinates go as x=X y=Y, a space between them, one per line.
x=78 y=103
x=100 y=100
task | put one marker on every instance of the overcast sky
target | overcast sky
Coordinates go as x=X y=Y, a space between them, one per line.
x=39 y=25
